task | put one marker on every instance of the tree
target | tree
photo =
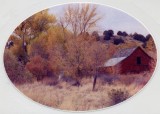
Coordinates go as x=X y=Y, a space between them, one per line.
x=125 y=34
x=38 y=66
x=148 y=37
x=81 y=18
x=74 y=59
x=64 y=23
x=22 y=31
x=96 y=35
x=139 y=37
x=42 y=21
x=38 y=47
x=32 y=27
x=75 y=56
x=111 y=32
x=15 y=69
x=150 y=45
x=120 y=33
x=108 y=34
x=118 y=41
x=97 y=56
x=80 y=57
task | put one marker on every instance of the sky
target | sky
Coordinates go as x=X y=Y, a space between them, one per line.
x=111 y=19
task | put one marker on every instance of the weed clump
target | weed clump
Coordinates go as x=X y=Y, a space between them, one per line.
x=118 y=95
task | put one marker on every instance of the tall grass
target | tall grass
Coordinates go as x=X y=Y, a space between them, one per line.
x=66 y=97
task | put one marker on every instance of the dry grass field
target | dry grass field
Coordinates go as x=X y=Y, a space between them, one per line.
x=66 y=97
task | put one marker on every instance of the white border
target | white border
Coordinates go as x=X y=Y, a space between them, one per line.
x=12 y=13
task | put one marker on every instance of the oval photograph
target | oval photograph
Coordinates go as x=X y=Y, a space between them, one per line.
x=80 y=57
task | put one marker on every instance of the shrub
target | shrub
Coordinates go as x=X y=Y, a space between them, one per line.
x=148 y=37
x=125 y=34
x=96 y=35
x=107 y=37
x=118 y=41
x=119 y=33
x=118 y=95
x=18 y=51
x=16 y=70
x=139 y=37
x=38 y=66
x=122 y=33
x=108 y=34
x=111 y=32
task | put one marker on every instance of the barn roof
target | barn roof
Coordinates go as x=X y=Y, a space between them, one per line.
x=124 y=52
x=119 y=56
x=113 y=61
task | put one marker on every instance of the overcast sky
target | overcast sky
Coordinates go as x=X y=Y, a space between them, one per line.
x=112 y=19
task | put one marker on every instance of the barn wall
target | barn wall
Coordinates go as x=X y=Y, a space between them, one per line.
x=105 y=70
x=130 y=63
x=110 y=69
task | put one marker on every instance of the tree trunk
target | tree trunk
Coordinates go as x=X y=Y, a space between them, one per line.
x=94 y=82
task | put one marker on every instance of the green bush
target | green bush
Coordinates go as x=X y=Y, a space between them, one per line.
x=118 y=95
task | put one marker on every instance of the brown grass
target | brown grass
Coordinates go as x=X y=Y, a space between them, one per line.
x=66 y=97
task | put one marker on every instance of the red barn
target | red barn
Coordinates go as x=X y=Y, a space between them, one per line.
x=130 y=60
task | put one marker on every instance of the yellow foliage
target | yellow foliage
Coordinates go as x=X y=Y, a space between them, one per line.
x=150 y=45
x=42 y=20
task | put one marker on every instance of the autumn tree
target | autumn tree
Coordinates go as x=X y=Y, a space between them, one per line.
x=150 y=45
x=74 y=57
x=38 y=46
x=64 y=23
x=31 y=28
x=97 y=56
x=39 y=67
x=42 y=21
x=34 y=25
x=80 y=57
x=58 y=59
x=15 y=69
x=96 y=35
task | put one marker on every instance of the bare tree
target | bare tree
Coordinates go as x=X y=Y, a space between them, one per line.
x=64 y=22
x=81 y=18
